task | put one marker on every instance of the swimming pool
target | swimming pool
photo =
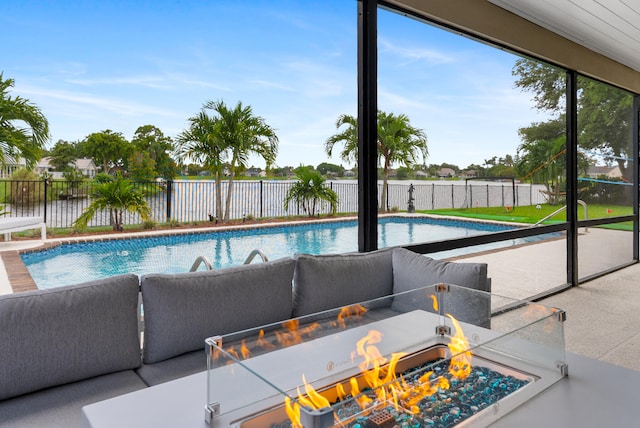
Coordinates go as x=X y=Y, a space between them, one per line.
x=72 y=263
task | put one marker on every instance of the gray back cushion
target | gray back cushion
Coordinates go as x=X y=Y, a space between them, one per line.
x=182 y=310
x=62 y=335
x=412 y=271
x=331 y=281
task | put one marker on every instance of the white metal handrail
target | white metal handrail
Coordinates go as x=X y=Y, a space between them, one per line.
x=207 y=263
x=199 y=261
x=255 y=253
x=581 y=202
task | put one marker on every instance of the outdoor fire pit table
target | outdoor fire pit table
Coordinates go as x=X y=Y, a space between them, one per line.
x=417 y=359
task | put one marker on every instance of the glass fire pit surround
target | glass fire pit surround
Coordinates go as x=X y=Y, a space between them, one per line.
x=438 y=356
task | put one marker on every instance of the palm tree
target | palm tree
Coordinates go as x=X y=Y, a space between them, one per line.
x=226 y=140
x=310 y=190
x=397 y=142
x=23 y=128
x=202 y=143
x=349 y=138
x=243 y=134
x=118 y=196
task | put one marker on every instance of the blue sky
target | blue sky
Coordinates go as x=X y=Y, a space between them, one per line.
x=118 y=65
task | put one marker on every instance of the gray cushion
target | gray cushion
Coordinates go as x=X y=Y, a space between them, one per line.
x=173 y=368
x=412 y=271
x=182 y=310
x=61 y=335
x=331 y=281
x=61 y=406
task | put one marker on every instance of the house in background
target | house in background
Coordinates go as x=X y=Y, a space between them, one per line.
x=255 y=172
x=446 y=173
x=595 y=171
x=85 y=166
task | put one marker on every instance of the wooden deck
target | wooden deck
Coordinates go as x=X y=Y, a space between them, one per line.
x=19 y=276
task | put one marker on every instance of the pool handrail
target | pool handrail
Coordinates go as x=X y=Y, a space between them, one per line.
x=207 y=263
x=199 y=261
x=558 y=211
x=253 y=254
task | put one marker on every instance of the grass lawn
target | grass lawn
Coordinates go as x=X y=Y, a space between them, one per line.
x=531 y=214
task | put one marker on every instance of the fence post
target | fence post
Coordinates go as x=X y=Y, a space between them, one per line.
x=433 y=196
x=487 y=196
x=387 y=201
x=169 y=192
x=261 y=198
x=46 y=181
x=452 y=197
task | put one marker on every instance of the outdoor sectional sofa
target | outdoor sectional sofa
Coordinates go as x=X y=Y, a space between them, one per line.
x=68 y=347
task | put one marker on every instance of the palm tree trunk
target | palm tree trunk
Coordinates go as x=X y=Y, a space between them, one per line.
x=228 y=199
x=385 y=179
x=218 y=196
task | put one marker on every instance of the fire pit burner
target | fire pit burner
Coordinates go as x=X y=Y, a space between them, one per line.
x=449 y=405
x=391 y=363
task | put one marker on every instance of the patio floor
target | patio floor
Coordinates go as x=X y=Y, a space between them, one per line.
x=603 y=315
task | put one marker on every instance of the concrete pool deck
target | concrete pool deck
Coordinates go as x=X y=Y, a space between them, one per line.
x=603 y=315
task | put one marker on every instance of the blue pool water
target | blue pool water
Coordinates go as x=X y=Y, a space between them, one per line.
x=78 y=262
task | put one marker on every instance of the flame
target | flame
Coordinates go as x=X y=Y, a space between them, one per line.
x=535 y=313
x=435 y=302
x=379 y=377
x=340 y=392
x=293 y=412
x=262 y=342
x=354 y=311
x=293 y=334
x=377 y=374
x=319 y=402
x=244 y=351
x=460 y=366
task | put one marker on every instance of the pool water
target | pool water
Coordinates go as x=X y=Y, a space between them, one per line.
x=73 y=263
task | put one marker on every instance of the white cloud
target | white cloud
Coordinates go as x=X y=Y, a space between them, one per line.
x=271 y=84
x=122 y=107
x=154 y=82
x=412 y=54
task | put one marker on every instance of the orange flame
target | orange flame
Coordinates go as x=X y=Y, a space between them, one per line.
x=293 y=334
x=354 y=311
x=262 y=342
x=435 y=302
x=379 y=375
x=535 y=313
x=293 y=412
x=460 y=366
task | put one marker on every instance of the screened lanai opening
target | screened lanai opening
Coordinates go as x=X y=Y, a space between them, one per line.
x=605 y=181
x=513 y=116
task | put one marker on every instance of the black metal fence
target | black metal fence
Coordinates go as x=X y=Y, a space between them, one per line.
x=187 y=201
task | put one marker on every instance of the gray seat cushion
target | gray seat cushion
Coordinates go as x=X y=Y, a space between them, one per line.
x=182 y=310
x=173 y=368
x=61 y=406
x=331 y=281
x=413 y=271
x=62 y=335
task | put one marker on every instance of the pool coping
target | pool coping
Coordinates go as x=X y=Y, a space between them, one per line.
x=20 y=279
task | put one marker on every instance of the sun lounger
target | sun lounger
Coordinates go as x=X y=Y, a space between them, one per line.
x=17 y=224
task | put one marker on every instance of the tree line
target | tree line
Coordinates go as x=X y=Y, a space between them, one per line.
x=222 y=138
